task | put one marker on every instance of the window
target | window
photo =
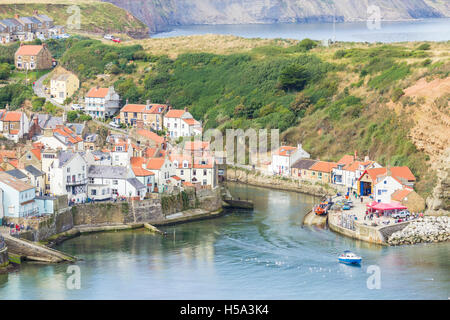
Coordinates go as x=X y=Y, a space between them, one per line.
x=182 y=172
x=93 y=192
x=115 y=182
x=204 y=172
x=68 y=169
x=195 y=172
x=91 y=180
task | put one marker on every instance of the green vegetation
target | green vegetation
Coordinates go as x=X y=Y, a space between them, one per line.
x=89 y=58
x=14 y=95
x=77 y=116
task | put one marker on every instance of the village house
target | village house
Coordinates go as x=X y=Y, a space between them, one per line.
x=13 y=124
x=62 y=138
x=410 y=199
x=151 y=115
x=107 y=182
x=31 y=157
x=28 y=28
x=180 y=123
x=8 y=159
x=90 y=142
x=36 y=178
x=320 y=171
x=146 y=177
x=33 y=57
x=300 y=167
x=63 y=85
x=183 y=166
x=371 y=177
x=285 y=157
x=17 y=197
x=66 y=172
x=101 y=103
x=204 y=172
x=43 y=124
x=385 y=187
x=163 y=170
x=121 y=154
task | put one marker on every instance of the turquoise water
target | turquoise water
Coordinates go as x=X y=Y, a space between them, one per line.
x=420 y=30
x=264 y=255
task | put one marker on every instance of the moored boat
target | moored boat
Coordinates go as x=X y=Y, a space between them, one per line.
x=349 y=257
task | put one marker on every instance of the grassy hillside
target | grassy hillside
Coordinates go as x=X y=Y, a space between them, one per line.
x=96 y=16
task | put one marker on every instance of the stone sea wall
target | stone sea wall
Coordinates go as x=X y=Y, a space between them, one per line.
x=427 y=229
x=281 y=183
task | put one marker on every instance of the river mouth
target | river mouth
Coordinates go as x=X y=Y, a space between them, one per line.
x=266 y=254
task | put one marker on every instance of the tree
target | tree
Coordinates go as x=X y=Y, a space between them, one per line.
x=293 y=77
x=5 y=71
x=307 y=44
x=72 y=116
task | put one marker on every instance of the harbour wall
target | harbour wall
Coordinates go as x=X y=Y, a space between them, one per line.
x=101 y=214
x=259 y=179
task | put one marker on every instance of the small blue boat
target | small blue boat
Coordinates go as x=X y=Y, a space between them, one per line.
x=349 y=257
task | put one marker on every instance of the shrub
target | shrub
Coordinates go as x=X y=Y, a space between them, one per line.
x=424 y=46
x=397 y=94
x=293 y=77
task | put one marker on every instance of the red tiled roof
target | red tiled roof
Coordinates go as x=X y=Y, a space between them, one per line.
x=150 y=152
x=155 y=163
x=69 y=134
x=180 y=158
x=176 y=178
x=347 y=159
x=399 y=195
x=323 y=166
x=137 y=161
x=190 y=121
x=285 y=151
x=196 y=145
x=29 y=50
x=352 y=166
x=14 y=131
x=187 y=184
x=396 y=172
x=174 y=113
x=142 y=108
x=97 y=92
x=141 y=172
x=403 y=172
x=12 y=116
x=150 y=135
x=198 y=163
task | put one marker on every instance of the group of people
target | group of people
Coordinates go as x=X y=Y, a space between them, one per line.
x=15 y=228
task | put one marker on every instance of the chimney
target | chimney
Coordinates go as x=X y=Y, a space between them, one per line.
x=35 y=12
x=186 y=109
x=366 y=158
x=356 y=155
x=147 y=105
x=126 y=102
x=7 y=107
x=170 y=107
x=64 y=118
x=16 y=16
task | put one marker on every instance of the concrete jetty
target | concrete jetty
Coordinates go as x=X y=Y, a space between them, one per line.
x=312 y=219
x=34 y=251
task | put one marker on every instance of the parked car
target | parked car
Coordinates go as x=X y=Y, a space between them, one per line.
x=77 y=107
x=116 y=40
x=64 y=36
x=114 y=125
x=346 y=207
x=401 y=214
x=108 y=37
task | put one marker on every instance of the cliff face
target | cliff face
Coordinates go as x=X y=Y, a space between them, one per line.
x=159 y=15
